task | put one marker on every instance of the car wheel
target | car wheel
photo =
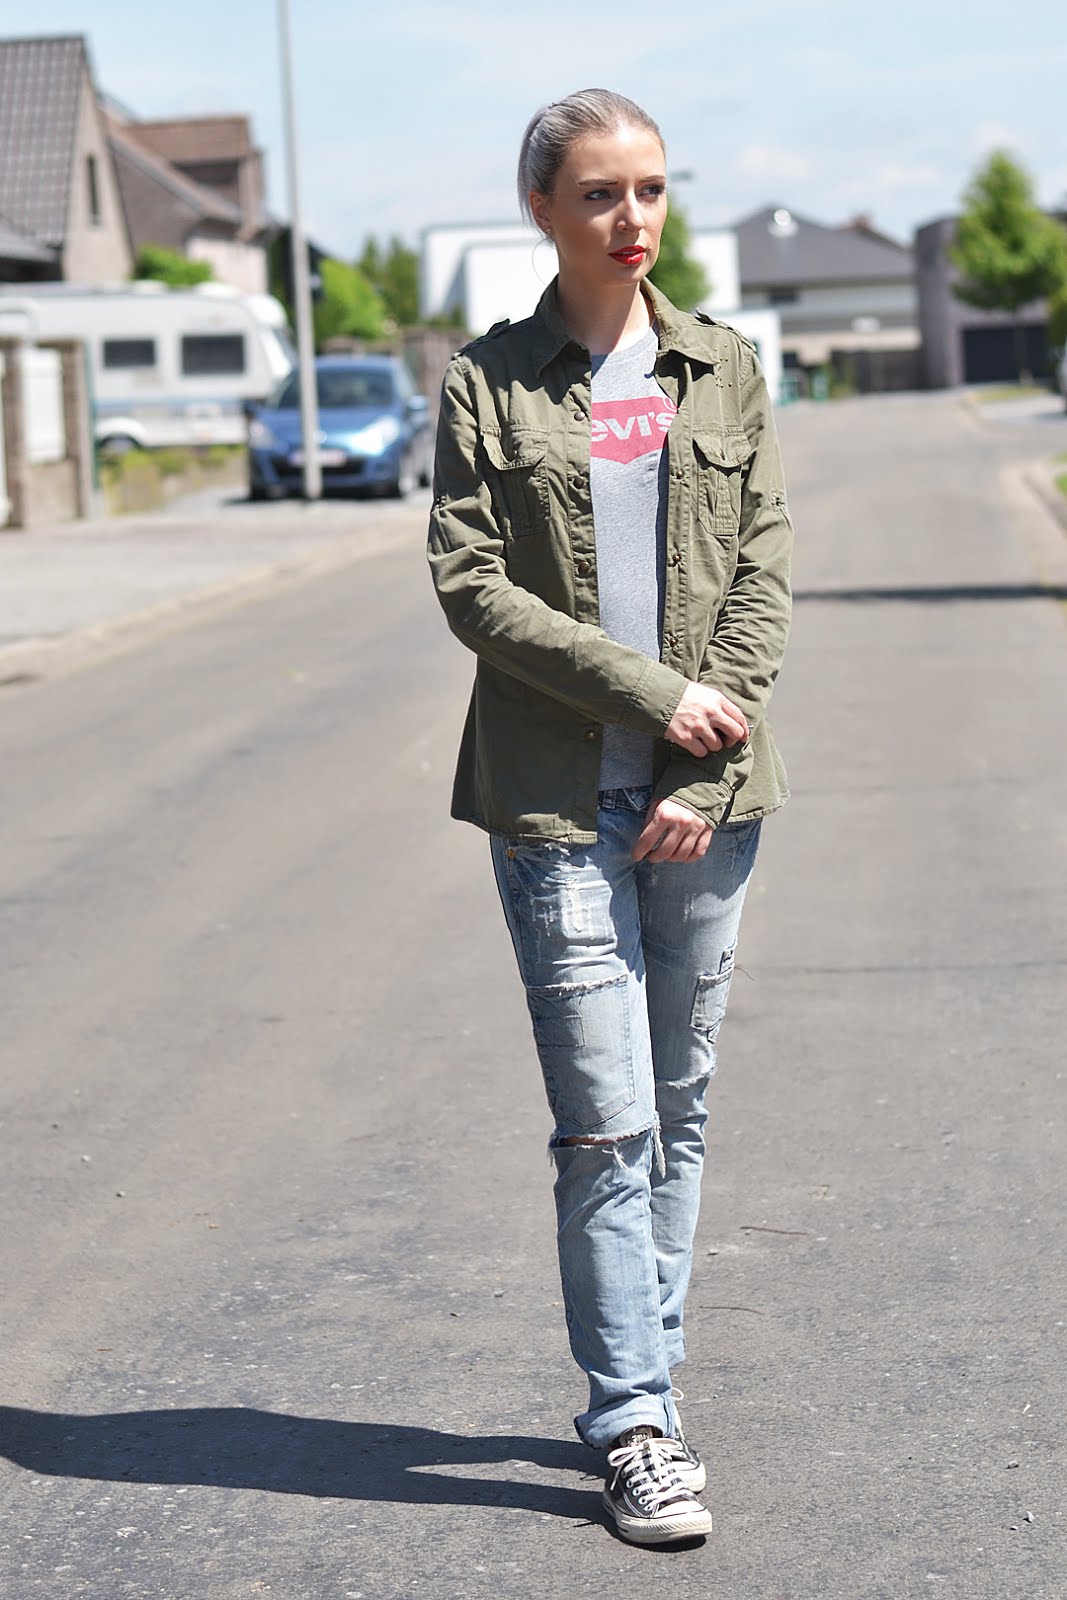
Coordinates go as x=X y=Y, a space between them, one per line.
x=117 y=444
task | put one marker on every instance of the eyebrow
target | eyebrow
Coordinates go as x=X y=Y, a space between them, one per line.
x=599 y=183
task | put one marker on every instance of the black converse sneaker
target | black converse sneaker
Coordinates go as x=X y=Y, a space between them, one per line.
x=645 y=1492
x=688 y=1464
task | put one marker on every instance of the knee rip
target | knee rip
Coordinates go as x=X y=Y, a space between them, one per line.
x=612 y=1142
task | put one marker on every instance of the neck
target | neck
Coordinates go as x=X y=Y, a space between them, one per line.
x=603 y=321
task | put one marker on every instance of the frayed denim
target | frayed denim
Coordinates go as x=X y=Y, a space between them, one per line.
x=627 y=968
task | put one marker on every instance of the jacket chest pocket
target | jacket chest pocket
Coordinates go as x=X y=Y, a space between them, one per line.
x=720 y=461
x=518 y=479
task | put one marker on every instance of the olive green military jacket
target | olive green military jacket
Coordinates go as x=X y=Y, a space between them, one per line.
x=513 y=557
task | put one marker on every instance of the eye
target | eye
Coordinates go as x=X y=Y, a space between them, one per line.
x=596 y=194
x=654 y=190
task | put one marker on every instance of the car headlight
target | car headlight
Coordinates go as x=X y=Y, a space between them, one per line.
x=260 y=436
x=372 y=440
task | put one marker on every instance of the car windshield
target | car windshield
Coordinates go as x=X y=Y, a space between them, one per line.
x=339 y=389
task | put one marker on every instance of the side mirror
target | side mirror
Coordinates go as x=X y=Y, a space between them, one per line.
x=250 y=409
x=418 y=405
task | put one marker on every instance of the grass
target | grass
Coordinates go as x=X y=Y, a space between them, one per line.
x=134 y=480
x=1060 y=481
x=996 y=392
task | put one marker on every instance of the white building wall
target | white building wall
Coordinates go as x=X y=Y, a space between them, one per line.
x=504 y=280
x=243 y=266
x=442 y=255
x=42 y=387
x=716 y=250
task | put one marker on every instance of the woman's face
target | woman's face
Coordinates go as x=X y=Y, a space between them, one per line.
x=607 y=209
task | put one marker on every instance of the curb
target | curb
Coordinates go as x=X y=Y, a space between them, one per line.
x=39 y=658
x=1041 y=479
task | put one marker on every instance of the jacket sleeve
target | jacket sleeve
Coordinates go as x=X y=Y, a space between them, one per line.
x=746 y=647
x=508 y=626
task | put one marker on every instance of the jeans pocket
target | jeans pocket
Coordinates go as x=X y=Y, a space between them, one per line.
x=582 y=1032
x=709 y=1001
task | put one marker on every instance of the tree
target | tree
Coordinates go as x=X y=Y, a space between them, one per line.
x=348 y=305
x=168 y=266
x=1009 y=253
x=395 y=275
x=681 y=278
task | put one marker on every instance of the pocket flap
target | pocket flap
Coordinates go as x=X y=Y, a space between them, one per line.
x=719 y=449
x=515 y=447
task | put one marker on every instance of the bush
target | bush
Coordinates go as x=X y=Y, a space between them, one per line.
x=168 y=266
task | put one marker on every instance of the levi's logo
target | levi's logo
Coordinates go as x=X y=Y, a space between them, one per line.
x=622 y=430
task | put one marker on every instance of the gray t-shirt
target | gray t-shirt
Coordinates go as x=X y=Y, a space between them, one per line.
x=629 y=479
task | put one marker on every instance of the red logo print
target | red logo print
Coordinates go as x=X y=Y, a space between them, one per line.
x=625 y=429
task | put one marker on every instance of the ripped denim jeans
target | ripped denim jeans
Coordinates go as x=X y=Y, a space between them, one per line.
x=626 y=967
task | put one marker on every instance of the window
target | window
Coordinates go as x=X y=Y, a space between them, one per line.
x=339 y=389
x=129 y=353
x=782 y=297
x=212 y=354
x=92 y=189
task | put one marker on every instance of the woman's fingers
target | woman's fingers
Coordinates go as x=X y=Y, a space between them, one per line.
x=706 y=720
x=681 y=836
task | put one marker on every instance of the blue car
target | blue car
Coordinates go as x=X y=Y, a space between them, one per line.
x=374 y=431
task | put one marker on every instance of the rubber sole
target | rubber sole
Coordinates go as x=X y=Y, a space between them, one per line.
x=644 y=1530
x=694 y=1478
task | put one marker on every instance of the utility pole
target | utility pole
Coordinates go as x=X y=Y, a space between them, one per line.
x=305 y=336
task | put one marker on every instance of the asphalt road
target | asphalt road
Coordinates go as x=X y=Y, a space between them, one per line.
x=280 y=1311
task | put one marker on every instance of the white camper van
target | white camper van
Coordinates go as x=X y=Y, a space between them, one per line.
x=167 y=366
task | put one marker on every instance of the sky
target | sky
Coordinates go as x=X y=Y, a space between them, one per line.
x=411 y=113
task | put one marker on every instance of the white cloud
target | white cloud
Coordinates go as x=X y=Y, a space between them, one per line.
x=899 y=175
x=991 y=134
x=771 y=163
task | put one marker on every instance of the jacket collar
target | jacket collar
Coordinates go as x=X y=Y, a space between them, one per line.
x=677 y=331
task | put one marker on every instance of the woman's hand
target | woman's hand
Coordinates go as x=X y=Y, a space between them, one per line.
x=705 y=720
x=672 y=833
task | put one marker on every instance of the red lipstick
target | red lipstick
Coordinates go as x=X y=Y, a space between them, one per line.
x=630 y=255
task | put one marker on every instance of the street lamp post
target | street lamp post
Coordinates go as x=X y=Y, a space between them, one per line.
x=305 y=337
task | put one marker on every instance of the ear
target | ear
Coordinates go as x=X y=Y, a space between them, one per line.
x=541 y=206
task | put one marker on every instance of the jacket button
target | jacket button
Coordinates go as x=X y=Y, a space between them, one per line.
x=584 y=568
x=675 y=558
x=592 y=733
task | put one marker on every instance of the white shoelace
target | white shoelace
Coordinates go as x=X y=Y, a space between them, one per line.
x=652 y=1477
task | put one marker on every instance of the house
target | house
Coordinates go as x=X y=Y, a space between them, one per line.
x=962 y=343
x=61 y=213
x=84 y=184
x=196 y=184
x=845 y=295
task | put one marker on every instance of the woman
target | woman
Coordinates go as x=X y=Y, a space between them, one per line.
x=609 y=534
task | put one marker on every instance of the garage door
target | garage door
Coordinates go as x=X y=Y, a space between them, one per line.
x=989 y=353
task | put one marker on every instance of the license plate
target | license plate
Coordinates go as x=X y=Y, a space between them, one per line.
x=327 y=458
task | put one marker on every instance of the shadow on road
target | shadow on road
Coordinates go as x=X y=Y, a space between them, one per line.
x=949 y=594
x=233 y=1447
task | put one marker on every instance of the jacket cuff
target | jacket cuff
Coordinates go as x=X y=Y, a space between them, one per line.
x=709 y=800
x=654 y=700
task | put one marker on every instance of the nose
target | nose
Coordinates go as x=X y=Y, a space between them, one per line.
x=630 y=214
